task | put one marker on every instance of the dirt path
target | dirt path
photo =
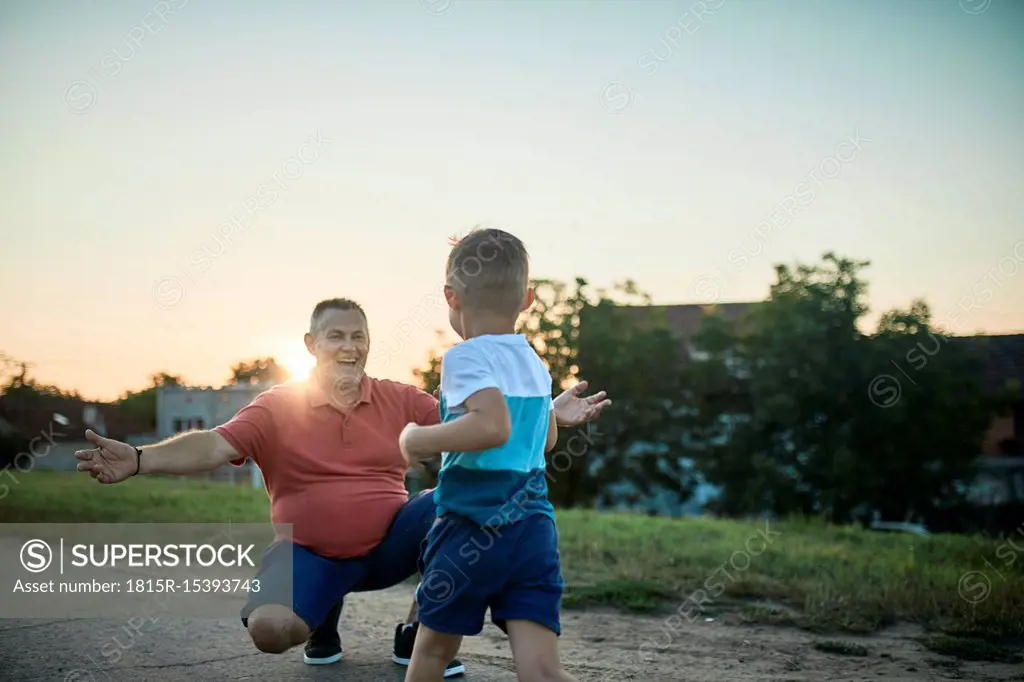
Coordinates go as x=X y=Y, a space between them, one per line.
x=597 y=646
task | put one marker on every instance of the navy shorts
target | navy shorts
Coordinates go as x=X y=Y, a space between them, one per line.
x=312 y=584
x=513 y=569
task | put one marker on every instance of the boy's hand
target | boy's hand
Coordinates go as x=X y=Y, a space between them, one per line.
x=409 y=454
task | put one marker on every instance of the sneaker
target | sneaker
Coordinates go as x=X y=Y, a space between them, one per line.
x=324 y=644
x=322 y=649
x=405 y=637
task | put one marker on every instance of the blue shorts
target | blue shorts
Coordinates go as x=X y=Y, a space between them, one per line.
x=310 y=585
x=513 y=569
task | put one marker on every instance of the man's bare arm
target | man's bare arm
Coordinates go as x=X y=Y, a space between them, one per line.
x=187 y=453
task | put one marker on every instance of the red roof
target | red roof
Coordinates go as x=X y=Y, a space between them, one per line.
x=685 y=319
x=1003 y=355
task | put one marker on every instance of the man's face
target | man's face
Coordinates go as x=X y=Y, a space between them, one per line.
x=340 y=343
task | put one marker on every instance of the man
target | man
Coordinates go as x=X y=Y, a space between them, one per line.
x=328 y=451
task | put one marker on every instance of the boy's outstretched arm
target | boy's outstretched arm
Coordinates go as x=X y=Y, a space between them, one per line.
x=485 y=425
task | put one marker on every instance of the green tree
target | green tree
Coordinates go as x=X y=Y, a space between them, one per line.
x=258 y=370
x=19 y=382
x=930 y=414
x=819 y=423
x=142 y=404
x=631 y=352
x=430 y=376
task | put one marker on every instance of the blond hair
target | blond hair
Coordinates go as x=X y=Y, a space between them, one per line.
x=489 y=269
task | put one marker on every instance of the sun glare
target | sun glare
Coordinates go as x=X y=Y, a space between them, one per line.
x=298 y=364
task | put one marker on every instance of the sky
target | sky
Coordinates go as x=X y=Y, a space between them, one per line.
x=182 y=181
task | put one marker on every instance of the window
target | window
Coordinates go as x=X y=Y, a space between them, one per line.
x=189 y=424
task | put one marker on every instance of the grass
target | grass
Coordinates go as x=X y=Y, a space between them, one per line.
x=632 y=595
x=801 y=573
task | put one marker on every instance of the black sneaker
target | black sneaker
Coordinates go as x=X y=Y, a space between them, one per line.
x=324 y=644
x=405 y=637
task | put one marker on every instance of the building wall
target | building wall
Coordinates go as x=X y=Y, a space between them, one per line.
x=182 y=409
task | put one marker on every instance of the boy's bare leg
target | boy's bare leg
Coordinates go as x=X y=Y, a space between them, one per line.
x=535 y=653
x=414 y=612
x=431 y=654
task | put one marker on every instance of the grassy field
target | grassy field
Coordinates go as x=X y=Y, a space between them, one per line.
x=967 y=591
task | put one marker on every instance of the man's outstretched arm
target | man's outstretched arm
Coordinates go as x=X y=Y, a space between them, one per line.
x=248 y=434
x=112 y=461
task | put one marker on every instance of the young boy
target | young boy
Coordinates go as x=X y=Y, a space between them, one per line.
x=494 y=544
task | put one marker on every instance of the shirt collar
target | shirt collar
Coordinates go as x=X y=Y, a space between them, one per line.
x=318 y=398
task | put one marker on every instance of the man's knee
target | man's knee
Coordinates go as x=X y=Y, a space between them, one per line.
x=275 y=629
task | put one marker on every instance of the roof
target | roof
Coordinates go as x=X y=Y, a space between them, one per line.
x=685 y=319
x=228 y=388
x=1003 y=355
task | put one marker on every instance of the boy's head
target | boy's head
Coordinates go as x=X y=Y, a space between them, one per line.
x=487 y=278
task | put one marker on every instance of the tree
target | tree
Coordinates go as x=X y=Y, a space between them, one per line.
x=636 y=364
x=931 y=412
x=257 y=371
x=820 y=423
x=19 y=382
x=631 y=352
x=142 y=404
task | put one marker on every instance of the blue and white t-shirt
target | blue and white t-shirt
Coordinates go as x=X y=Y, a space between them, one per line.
x=501 y=485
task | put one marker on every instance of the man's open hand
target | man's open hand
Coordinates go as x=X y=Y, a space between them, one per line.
x=111 y=461
x=572 y=410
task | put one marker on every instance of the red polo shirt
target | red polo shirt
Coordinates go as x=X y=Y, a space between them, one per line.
x=339 y=480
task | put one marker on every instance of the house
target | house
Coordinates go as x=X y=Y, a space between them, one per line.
x=46 y=430
x=187 y=408
x=1004 y=365
x=58 y=424
x=1000 y=480
x=1001 y=477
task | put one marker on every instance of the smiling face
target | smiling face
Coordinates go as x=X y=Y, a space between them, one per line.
x=340 y=342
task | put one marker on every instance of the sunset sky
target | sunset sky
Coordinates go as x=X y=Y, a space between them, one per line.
x=617 y=139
